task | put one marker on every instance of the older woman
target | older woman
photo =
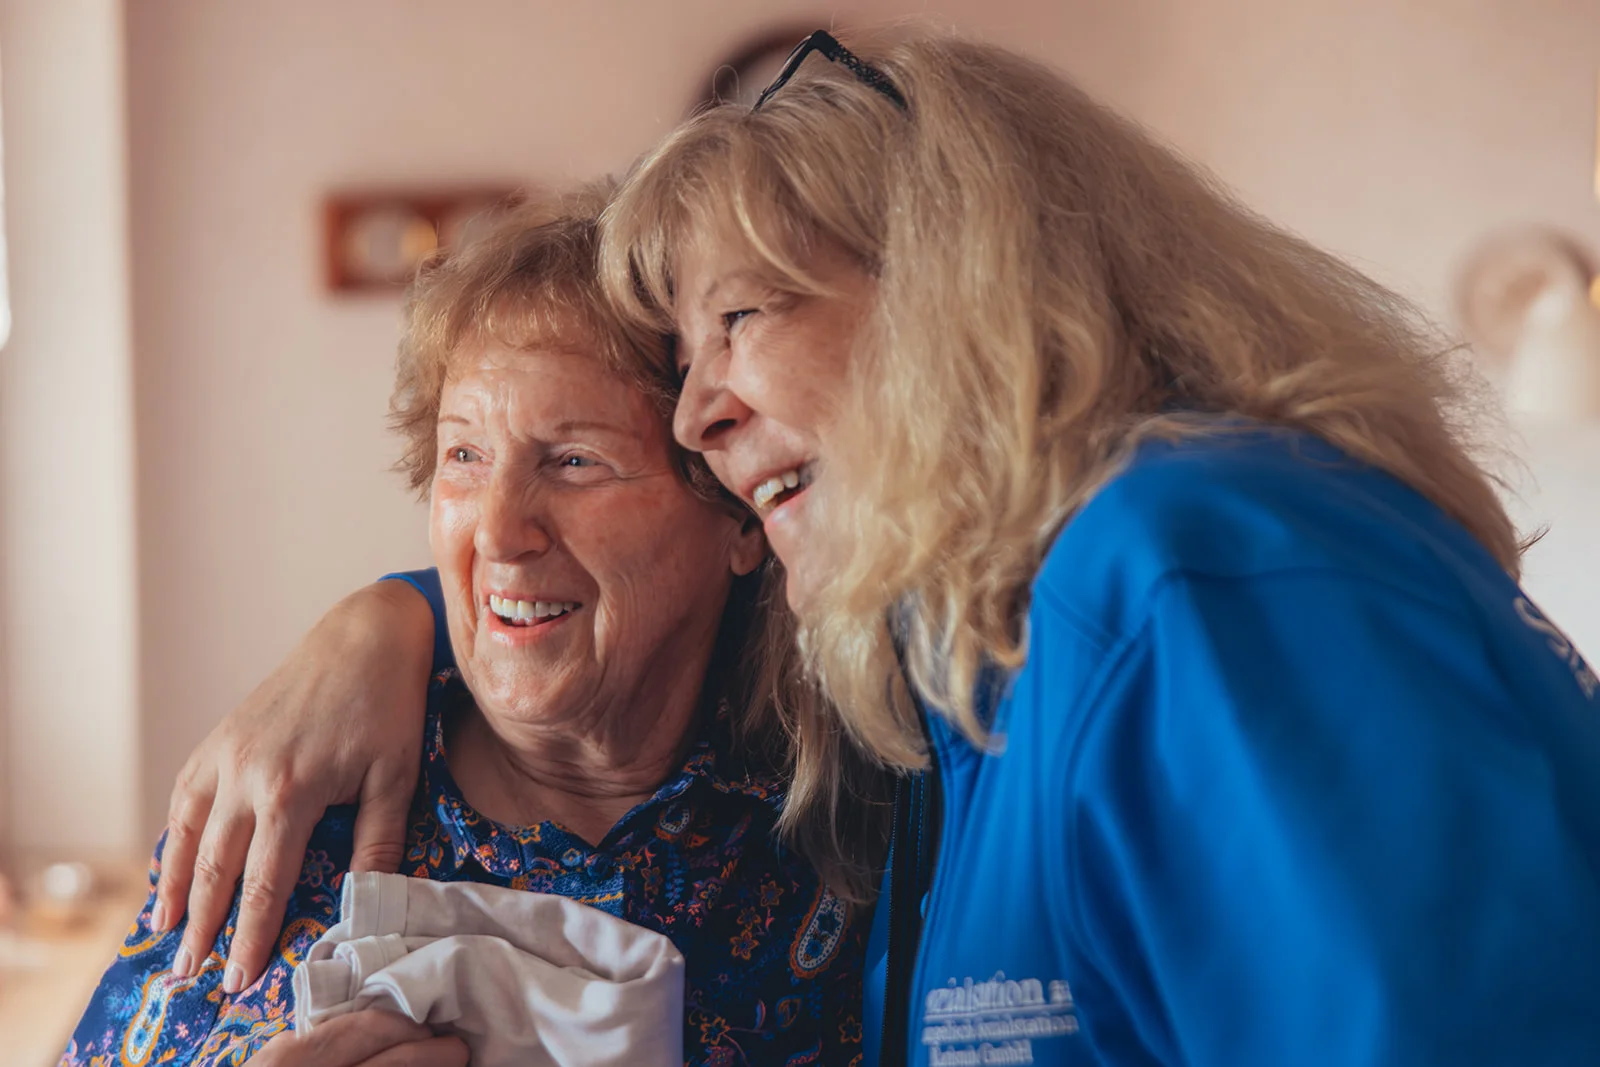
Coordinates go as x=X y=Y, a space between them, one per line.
x=609 y=731
x=1246 y=747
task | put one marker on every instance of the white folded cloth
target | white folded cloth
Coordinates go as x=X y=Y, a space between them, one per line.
x=527 y=979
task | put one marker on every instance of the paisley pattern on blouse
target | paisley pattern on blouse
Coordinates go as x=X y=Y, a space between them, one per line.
x=773 y=959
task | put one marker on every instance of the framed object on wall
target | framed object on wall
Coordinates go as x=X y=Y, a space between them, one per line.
x=375 y=241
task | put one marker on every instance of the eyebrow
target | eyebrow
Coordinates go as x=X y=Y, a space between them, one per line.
x=562 y=427
x=744 y=274
x=568 y=425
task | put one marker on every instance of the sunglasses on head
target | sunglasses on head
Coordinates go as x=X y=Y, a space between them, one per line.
x=822 y=41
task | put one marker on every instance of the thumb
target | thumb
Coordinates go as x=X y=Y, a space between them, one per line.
x=380 y=830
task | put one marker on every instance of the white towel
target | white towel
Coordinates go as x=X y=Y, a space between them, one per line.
x=525 y=978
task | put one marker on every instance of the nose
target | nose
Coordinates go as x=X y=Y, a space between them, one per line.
x=511 y=522
x=707 y=409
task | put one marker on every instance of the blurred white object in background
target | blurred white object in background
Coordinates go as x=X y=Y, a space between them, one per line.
x=66 y=891
x=66 y=883
x=1554 y=371
x=68 y=920
x=1499 y=281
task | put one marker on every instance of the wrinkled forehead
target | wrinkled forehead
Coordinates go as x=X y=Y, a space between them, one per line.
x=711 y=264
x=548 y=320
x=723 y=262
x=545 y=320
x=720 y=223
x=546 y=390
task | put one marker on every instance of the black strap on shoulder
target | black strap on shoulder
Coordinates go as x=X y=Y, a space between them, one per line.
x=912 y=846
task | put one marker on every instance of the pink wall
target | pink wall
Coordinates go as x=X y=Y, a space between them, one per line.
x=1397 y=133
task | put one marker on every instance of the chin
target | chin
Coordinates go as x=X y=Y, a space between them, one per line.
x=800 y=594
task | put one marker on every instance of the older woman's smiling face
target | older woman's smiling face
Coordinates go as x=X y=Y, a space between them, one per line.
x=580 y=573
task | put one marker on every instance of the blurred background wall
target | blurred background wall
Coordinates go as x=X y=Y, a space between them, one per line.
x=67 y=565
x=244 y=485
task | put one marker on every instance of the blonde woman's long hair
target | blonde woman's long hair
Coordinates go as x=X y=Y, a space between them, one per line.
x=1053 y=287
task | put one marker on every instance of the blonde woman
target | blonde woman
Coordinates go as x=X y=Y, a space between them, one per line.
x=1146 y=537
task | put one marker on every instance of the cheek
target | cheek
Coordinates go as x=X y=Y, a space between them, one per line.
x=794 y=377
x=717 y=460
x=451 y=520
x=821 y=380
x=632 y=558
x=659 y=563
x=452 y=524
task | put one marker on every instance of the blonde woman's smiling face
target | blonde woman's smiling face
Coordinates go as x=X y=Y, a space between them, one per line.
x=763 y=371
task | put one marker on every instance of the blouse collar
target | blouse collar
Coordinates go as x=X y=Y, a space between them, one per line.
x=726 y=779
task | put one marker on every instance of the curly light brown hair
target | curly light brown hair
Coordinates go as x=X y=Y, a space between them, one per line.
x=531 y=282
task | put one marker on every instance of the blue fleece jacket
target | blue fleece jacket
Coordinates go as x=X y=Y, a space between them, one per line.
x=1294 y=774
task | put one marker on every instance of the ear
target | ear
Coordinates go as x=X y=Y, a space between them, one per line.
x=749 y=547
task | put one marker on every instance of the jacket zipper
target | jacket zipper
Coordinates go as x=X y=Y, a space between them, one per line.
x=913 y=840
x=892 y=1052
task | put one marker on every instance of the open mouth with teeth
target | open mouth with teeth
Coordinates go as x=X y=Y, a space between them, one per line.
x=780 y=489
x=529 y=612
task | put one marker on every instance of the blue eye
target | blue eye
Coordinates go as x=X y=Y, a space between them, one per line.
x=577 y=461
x=462 y=454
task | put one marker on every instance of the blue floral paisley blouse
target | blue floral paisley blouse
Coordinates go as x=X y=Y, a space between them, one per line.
x=773 y=959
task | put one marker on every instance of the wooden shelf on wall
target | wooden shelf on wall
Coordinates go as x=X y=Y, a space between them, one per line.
x=374 y=240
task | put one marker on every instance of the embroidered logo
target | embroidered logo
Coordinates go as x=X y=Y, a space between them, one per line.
x=976 y=1024
x=1560 y=644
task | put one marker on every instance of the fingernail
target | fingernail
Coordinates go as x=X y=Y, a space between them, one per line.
x=183 y=962
x=158 y=918
x=233 y=979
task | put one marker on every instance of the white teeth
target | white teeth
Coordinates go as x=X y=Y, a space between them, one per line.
x=769 y=489
x=766 y=491
x=507 y=608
